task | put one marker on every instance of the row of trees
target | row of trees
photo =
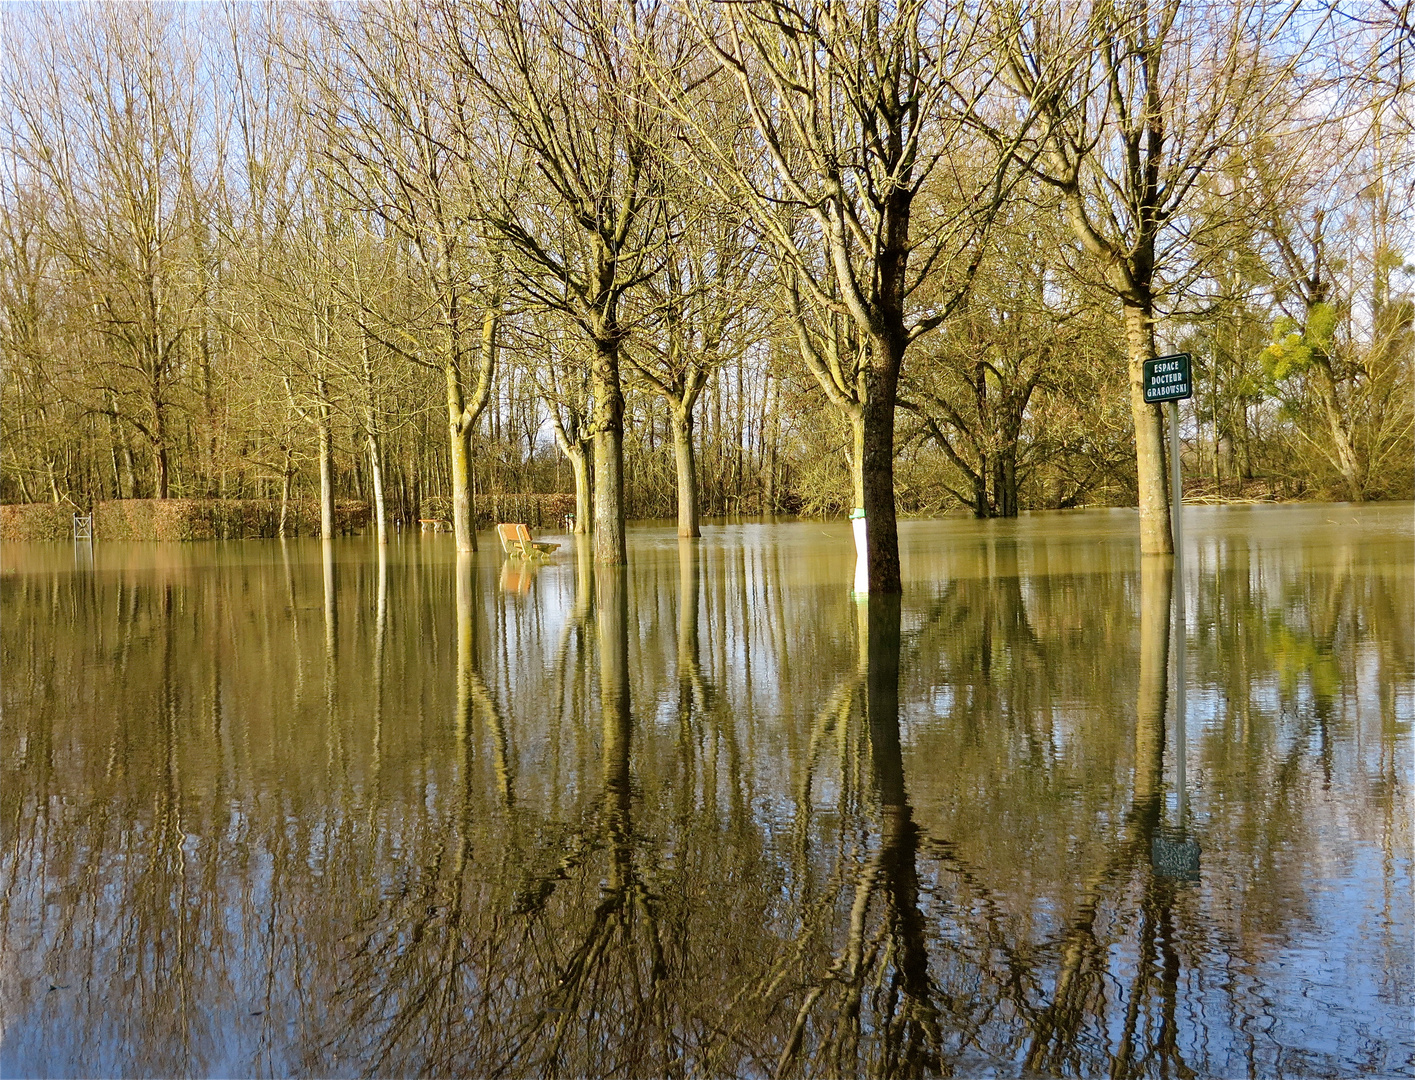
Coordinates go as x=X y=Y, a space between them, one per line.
x=784 y=255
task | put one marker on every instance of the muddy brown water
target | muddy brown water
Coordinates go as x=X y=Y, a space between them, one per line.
x=276 y=810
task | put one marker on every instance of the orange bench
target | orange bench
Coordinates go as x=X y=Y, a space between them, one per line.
x=516 y=540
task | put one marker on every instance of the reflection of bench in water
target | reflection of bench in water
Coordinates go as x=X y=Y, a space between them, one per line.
x=516 y=540
x=517 y=575
x=435 y=524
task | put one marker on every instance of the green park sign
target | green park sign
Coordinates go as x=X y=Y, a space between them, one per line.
x=1167 y=378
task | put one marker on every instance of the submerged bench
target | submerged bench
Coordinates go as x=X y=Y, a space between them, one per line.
x=516 y=540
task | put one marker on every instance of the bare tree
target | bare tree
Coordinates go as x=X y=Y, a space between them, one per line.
x=864 y=172
x=397 y=134
x=311 y=326
x=1141 y=100
x=573 y=185
x=707 y=306
x=105 y=110
x=37 y=386
x=1331 y=218
x=562 y=380
x=1002 y=383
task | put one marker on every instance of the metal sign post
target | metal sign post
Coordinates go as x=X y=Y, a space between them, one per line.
x=1176 y=498
x=1181 y=621
x=1169 y=378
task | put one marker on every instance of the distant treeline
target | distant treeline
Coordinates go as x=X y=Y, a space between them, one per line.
x=700 y=258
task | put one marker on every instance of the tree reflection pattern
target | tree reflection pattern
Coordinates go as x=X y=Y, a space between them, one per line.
x=622 y=873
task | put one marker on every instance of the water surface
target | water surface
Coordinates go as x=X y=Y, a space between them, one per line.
x=294 y=809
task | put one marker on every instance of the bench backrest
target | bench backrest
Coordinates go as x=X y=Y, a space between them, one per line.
x=510 y=538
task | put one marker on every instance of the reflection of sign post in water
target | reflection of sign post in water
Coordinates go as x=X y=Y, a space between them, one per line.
x=1169 y=378
x=1175 y=858
x=83 y=540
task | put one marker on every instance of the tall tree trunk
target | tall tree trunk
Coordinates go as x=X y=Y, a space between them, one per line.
x=1156 y=537
x=609 y=543
x=1007 y=500
x=460 y=451
x=739 y=438
x=462 y=418
x=380 y=509
x=375 y=449
x=326 y=460
x=857 y=461
x=772 y=495
x=459 y=445
x=130 y=465
x=1346 y=460
x=117 y=473
x=719 y=498
x=982 y=505
x=286 y=477
x=877 y=473
x=685 y=461
x=115 y=432
x=160 y=470
x=210 y=423
x=584 y=493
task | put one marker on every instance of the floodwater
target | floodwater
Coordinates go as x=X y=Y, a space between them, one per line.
x=275 y=810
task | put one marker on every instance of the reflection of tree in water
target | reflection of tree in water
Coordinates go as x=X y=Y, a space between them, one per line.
x=109 y=884
x=884 y=1004
x=629 y=952
x=896 y=951
x=878 y=982
x=419 y=959
x=490 y=967
x=659 y=918
x=1301 y=654
x=924 y=978
x=1074 y=1028
x=618 y=962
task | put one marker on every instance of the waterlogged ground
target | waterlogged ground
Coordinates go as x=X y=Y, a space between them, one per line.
x=282 y=810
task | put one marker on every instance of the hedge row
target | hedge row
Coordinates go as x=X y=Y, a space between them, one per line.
x=37 y=521
x=537 y=511
x=239 y=519
x=178 y=519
